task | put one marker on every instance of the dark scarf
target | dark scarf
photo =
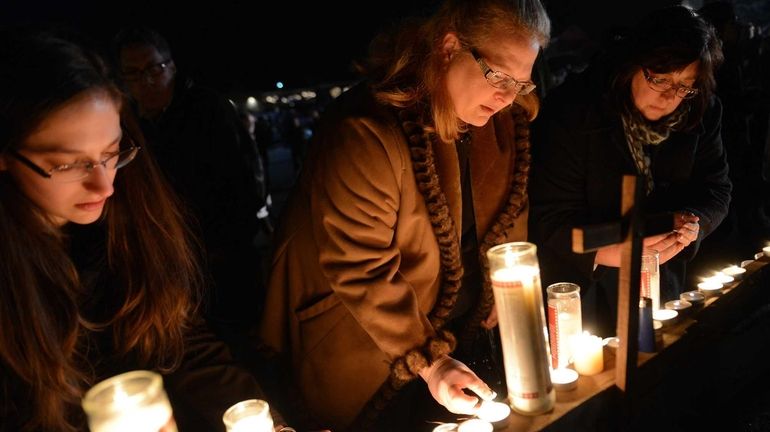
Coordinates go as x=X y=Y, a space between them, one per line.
x=641 y=132
x=421 y=142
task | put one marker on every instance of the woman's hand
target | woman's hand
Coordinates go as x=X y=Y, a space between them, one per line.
x=446 y=379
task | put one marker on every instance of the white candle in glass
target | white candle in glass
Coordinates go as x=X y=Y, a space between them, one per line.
x=130 y=402
x=252 y=415
x=588 y=355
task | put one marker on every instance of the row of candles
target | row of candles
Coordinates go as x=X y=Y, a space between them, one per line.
x=136 y=401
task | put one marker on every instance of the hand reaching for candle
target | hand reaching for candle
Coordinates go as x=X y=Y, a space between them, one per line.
x=446 y=379
x=687 y=227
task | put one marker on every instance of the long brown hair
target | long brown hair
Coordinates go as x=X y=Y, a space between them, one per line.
x=42 y=332
x=407 y=68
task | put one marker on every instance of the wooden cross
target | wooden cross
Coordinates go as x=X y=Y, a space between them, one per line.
x=629 y=233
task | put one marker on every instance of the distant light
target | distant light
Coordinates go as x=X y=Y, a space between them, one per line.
x=335 y=91
x=279 y=85
x=251 y=102
x=271 y=99
x=308 y=94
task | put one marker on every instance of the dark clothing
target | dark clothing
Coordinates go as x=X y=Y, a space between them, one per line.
x=200 y=390
x=580 y=154
x=210 y=160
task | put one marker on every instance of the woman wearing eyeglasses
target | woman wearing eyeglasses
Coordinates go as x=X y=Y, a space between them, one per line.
x=98 y=275
x=647 y=108
x=413 y=174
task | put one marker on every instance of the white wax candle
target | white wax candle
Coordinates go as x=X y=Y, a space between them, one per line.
x=710 y=287
x=734 y=271
x=664 y=314
x=136 y=419
x=589 y=355
x=253 y=424
x=491 y=411
x=721 y=278
x=475 y=425
x=564 y=379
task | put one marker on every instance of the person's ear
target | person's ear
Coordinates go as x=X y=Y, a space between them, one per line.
x=450 y=45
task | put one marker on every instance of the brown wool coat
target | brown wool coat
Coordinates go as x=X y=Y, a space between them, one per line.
x=357 y=268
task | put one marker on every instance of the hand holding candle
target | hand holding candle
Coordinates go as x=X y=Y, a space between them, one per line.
x=589 y=354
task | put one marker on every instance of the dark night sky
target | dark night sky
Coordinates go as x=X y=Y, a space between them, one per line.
x=246 y=46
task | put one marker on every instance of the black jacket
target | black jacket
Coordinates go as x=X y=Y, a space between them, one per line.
x=579 y=157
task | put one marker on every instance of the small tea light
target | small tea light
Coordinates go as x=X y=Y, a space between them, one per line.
x=446 y=427
x=734 y=271
x=745 y=263
x=681 y=306
x=766 y=251
x=494 y=412
x=721 y=278
x=696 y=298
x=710 y=288
x=564 y=379
x=475 y=425
x=665 y=316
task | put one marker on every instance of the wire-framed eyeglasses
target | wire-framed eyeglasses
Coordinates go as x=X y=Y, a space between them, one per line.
x=502 y=80
x=662 y=85
x=150 y=72
x=73 y=172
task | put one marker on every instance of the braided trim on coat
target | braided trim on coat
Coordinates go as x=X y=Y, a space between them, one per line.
x=506 y=219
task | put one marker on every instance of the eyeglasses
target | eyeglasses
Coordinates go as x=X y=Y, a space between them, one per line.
x=79 y=170
x=663 y=85
x=502 y=80
x=150 y=72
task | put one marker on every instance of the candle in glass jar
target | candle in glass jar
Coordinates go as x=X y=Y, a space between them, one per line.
x=588 y=354
x=130 y=402
x=252 y=415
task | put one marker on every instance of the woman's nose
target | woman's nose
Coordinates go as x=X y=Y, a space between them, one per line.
x=100 y=180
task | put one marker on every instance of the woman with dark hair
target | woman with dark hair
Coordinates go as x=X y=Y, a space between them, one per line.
x=647 y=107
x=379 y=272
x=98 y=274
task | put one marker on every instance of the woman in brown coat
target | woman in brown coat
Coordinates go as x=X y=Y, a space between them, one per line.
x=379 y=270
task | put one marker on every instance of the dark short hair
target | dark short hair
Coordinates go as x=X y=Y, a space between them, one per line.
x=668 y=40
x=131 y=36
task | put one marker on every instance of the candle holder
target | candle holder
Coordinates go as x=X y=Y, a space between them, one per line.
x=252 y=415
x=130 y=402
x=564 y=321
x=515 y=276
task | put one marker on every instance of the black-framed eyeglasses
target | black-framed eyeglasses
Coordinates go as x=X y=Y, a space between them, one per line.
x=150 y=72
x=662 y=85
x=73 y=172
x=502 y=80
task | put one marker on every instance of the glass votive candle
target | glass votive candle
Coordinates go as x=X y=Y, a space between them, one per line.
x=734 y=271
x=130 y=402
x=252 y=415
x=564 y=379
x=710 y=288
x=696 y=298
